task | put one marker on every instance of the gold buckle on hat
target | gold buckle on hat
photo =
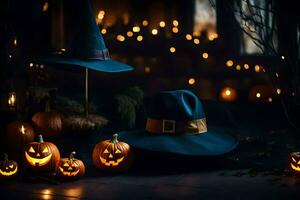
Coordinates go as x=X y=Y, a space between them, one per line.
x=168 y=126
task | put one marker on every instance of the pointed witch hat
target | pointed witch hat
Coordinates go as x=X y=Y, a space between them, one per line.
x=88 y=48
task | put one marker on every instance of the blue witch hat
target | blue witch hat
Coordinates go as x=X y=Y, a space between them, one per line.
x=88 y=48
x=176 y=124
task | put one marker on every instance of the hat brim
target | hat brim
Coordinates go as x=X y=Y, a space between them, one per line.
x=214 y=142
x=109 y=66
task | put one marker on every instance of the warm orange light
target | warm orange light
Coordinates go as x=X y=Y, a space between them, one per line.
x=129 y=33
x=188 y=36
x=101 y=14
x=238 y=67
x=205 y=55
x=196 y=41
x=192 y=81
x=175 y=30
x=136 y=29
x=246 y=66
x=256 y=68
x=139 y=38
x=278 y=91
x=22 y=130
x=196 y=33
x=145 y=23
x=104 y=31
x=45 y=6
x=162 y=24
x=229 y=63
x=228 y=94
x=12 y=99
x=147 y=69
x=172 y=49
x=120 y=38
x=270 y=99
x=258 y=95
x=175 y=23
x=154 y=31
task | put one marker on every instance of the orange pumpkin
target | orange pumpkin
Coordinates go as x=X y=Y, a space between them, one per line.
x=49 y=122
x=112 y=155
x=18 y=135
x=41 y=156
x=294 y=162
x=70 y=168
x=8 y=168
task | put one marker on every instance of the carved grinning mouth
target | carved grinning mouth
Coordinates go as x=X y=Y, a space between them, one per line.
x=295 y=167
x=8 y=173
x=37 y=161
x=66 y=173
x=111 y=162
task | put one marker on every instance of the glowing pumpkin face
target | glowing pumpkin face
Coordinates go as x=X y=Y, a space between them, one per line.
x=294 y=162
x=41 y=155
x=112 y=155
x=70 y=168
x=8 y=168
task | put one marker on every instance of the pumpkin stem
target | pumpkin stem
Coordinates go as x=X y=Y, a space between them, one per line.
x=72 y=155
x=40 y=138
x=115 y=138
x=5 y=157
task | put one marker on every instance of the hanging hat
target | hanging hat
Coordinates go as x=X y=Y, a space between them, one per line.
x=88 y=48
x=177 y=124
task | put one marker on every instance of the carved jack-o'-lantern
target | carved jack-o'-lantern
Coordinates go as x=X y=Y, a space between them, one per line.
x=49 y=122
x=70 y=168
x=8 y=168
x=294 y=162
x=112 y=155
x=41 y=156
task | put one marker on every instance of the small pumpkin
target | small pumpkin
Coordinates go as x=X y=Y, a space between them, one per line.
x=18 y=135
x=41 y=156
x=70 y=168
x=294 y=162
x=49 y=122
x=112 y=155
x=8 y=168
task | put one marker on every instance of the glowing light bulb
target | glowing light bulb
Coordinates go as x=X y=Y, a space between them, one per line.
x=257 y=68
x=175 y=23
x=238 y=67
x=162 y=24
x=175 y=30
x=258 y=95
x=196 y=41
x=145 y=23
x=205 y=55
x=104 y=31
x=172 y=49
x=120 y=38
x=192 y=81
x=136 y=29
x=229 y=63
x=139 y=38
x=129 y=33
x=246 y=66
x=188 y=36
x=154 y=31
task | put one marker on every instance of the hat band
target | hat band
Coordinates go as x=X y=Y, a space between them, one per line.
x=93 y=54
x=160 y=126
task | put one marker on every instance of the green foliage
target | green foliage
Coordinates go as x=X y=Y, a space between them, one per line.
x=127 y=104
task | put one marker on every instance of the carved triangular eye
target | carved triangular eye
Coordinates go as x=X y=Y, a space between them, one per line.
x=117 y=151
x=31 y=150
x=45 y=150
x=294 y=159
x=105 y=151
x=11 y=166
x=75 y=165
x=66 y=165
